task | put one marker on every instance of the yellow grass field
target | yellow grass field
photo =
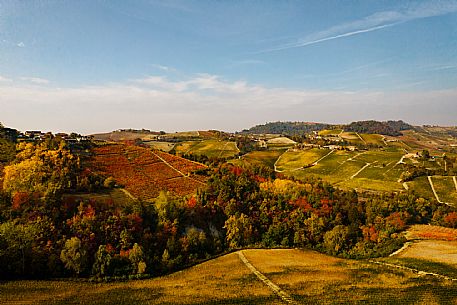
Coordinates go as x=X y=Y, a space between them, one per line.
x=307 y=276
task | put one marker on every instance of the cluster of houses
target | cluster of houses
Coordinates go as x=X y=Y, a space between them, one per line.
x=38 y=135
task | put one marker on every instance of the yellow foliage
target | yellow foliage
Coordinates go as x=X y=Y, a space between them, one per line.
x=282 y=186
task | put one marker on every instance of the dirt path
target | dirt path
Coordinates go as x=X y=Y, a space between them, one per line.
x=433 y=189
x=128 y=194
x=184 y=175
x=315 y=163
x=364 y=142
x=275 y=288
x=419 y=272
x=279 y=158
x=360 y=170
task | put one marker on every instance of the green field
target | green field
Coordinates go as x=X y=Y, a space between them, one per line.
x=445 y=188
x=374 y=139
x=163 y=146
x=381 y=174
x=116 y=197
x=209 y=148
x=351 y=137
x=296 y=159
x=421 y=186
x=307 y=276
x=264 y=157
x=330 y=132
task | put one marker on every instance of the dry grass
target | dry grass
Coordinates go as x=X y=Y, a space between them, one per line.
x=431 y=232
x=310 y=277
x=221 y=281
x=314 y=278
x=434 y=250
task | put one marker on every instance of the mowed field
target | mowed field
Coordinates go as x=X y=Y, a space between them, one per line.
x=431 y=249
x=144 y=173
x=263 y=157
x=445 y=188
x=372 y=170
x=293 y=160
x=209 y=148
x=307 y=276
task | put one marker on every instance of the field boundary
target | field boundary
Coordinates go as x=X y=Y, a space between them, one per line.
x=361 y=138
x=433 y=189
x=275 y=288
x=276 y=170
x=417 y=271
x=322 y=158
x=184 y=175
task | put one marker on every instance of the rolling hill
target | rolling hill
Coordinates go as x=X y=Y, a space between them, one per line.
x=144 y=173
x=302 y=276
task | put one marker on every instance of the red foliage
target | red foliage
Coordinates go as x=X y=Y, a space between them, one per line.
x=144 y=173
x=191 y=202
x=236 y=170
x=19 y=199
x=451 y=219
x=370 y=233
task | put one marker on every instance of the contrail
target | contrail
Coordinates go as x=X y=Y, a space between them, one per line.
x=307 y=43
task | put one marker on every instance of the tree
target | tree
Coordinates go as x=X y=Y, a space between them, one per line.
x=102 y=262
x=239 y=231
x=136 y=257
x=74 y=255
x=335 y=239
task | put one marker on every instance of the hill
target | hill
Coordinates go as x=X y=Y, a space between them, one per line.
x=143 y=172
x=306 y=277
x=286 y=128
x=389 y=128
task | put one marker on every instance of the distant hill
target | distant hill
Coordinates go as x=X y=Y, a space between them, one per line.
x=286 y=128
x=389 y=128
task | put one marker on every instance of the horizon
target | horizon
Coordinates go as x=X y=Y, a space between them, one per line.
x=96 y=66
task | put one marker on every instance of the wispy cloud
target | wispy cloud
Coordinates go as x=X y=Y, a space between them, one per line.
x=371 y=23
x=164 y=68
x=5 y=79
x=207 y=101
x=20 y=44
x=35 y=80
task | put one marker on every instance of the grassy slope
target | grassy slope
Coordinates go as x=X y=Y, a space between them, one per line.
x=210 y=148
x=309 y=277
x=265 y=157
x=382 y=174
x=292 y=160
x=445 y=188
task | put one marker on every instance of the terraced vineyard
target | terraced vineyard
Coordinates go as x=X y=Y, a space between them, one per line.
x=293 y=160
x=374 y=170
x=145 y=173
x=263 y=157
x=209 y=148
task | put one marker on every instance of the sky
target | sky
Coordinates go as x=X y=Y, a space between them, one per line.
x=95 y=66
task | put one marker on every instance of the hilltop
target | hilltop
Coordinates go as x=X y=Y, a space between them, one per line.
x=391 y=128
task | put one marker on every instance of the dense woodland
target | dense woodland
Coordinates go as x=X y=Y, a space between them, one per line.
x=287 y=128
x=46 y=233
x=391 y=128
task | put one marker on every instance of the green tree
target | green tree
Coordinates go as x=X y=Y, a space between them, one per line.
x=336 y=239
x=102 y=262
x=74 y=255
x=137 y=259
x=239 y=231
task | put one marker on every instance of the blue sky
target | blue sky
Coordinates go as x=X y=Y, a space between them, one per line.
x=91 y=66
